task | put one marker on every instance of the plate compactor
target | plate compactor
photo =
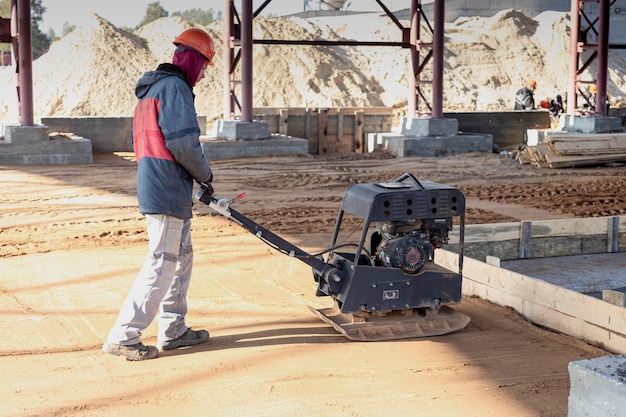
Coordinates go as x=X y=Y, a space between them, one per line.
x=387 y=286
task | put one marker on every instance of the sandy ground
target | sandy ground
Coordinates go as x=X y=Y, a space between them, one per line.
x=71 y=242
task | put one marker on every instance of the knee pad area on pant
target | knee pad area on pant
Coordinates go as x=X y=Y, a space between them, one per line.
x=170 y=257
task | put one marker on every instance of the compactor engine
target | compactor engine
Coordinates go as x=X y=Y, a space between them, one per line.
x=408 y=245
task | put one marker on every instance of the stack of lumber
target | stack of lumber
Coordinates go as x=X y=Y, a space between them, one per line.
x=567 y=150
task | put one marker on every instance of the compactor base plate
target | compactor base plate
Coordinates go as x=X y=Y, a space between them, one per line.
x=402 y=324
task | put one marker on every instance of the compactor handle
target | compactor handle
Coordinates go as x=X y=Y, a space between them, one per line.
x=412 y=177
x=205 y=194
x=222 y=206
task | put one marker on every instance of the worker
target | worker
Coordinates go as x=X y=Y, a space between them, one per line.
x=560 y=102
x=166 y=141
x=589 y=96
x=590 y=100
x=525 y=97
x=593 y=89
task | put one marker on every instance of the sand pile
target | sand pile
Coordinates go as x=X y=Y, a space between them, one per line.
x=93 y=70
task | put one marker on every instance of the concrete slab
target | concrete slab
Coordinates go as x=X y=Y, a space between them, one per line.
x=598 y=387
x=590 y=124
x=431 y=146
x=239 y=130
x=429 y=127
x=32 y=145
x=26 y=134
x=216 y=148
x=587 y=274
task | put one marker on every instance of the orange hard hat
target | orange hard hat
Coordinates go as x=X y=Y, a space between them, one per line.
x=198 y=40
x=533 y=83
x=593 y=88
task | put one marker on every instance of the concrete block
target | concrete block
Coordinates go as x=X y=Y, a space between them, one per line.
x=26 y=134
x=56 y=150
x=215 y=149
x=408 y=146
x=238 y=130
x=597 y=387
x=380 y=140
x=429 y=127
x=371 y=143
x=590 y=124
x=537 y=136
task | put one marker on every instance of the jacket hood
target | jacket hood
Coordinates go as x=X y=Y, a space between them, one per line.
x=150 y=77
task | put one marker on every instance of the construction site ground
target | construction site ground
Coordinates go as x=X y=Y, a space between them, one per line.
x=72 y=241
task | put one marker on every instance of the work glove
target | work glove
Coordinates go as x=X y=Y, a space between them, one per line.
x=207 y=187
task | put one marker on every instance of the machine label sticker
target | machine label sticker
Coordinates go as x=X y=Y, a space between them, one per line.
x=391 y=294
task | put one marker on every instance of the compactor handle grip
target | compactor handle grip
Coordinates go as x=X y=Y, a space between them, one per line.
x=205 y=194
x=412 y=177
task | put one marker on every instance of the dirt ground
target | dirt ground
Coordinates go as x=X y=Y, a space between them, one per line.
x=71 y=242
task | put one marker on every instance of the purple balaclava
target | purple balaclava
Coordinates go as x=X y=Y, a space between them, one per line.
x=189 y=61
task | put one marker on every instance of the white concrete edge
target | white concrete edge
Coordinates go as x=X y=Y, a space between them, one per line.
x=583 y=317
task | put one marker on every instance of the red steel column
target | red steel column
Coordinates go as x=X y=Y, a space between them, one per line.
x=414 y=35
x=439 y=20
x=228 y=60
x=25 y=63
x=15 y=48
x=573 y=53
x=603 y=57
x=246 y=61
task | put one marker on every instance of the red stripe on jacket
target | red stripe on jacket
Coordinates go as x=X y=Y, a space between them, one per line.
x=148 y=141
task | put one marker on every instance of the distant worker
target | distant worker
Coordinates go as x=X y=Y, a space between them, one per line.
x=525 y=97
x=560 y=101
x=593 y=89
x=590 y=99
x=166 y=140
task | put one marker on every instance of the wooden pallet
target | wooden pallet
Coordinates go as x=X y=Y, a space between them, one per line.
x=569 y=150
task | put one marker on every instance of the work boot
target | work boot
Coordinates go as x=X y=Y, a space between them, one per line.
x=189 y=338
x=136 y=352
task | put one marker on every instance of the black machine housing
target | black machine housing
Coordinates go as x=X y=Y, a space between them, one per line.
x=393 y=267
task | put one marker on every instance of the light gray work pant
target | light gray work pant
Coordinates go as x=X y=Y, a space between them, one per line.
x=161 y=284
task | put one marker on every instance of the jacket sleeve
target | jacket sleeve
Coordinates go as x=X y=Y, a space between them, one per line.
x=179 y=125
